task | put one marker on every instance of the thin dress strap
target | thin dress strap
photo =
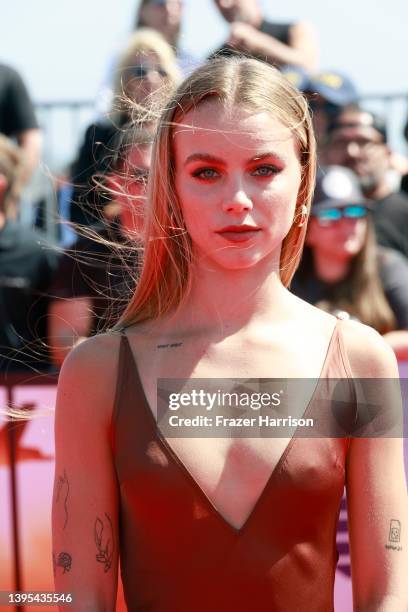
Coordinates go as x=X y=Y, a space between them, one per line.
x=121 y=377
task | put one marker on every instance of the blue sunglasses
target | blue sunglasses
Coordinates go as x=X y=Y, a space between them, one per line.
x=332 y=215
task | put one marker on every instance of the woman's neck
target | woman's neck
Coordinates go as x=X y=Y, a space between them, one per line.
x=329 y=269
x=232 y=299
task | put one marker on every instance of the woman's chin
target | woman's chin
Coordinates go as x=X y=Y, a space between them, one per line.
x=237 y=260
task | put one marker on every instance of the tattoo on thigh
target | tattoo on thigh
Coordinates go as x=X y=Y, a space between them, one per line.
x=64 y=560
x=62 y=492
x=103 y=534
x=394 y=535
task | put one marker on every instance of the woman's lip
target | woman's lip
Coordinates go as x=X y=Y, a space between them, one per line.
x=238 y=236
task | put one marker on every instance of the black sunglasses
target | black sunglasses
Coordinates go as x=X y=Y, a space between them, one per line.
x=140 y=71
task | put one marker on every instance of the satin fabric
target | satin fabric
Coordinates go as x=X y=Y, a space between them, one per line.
x=178 y=554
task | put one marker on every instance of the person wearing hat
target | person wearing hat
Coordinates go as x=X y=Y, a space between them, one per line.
x=358 y=140
x=328 y=92
x=343 y=269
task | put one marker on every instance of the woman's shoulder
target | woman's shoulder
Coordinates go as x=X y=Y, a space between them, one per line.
x=369 y=355
x=89 y=373
x=95 y=352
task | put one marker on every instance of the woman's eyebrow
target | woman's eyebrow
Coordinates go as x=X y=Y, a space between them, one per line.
x=265 y=155
x=204 y=157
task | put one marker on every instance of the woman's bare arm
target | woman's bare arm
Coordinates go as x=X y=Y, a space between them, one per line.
x=376 y=487
x=85 y=500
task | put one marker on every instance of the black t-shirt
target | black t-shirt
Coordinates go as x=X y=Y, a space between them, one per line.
x=27 y=267
x=16 y=109
x=390 y=217
x=94 y=158
x=103 y=268
x=280 y=31
x=393 y=269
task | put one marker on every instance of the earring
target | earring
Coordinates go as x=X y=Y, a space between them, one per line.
x=303 y=215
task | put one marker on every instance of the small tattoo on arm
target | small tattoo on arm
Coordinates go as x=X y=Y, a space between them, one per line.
x=104 y=541
x=172 y=345
x=63 y=560
x=394 y=535
x=62 y=492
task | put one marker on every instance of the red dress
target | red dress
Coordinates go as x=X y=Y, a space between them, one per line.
x=177 y=552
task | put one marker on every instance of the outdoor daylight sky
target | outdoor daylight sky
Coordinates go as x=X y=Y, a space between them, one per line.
x=64 y=48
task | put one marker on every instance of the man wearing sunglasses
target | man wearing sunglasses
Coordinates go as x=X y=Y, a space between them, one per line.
x=358 y=141
x=342 y=267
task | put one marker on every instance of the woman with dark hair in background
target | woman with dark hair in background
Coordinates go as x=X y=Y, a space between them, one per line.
x=343 y=268
x=95 y=274
x=223 y=522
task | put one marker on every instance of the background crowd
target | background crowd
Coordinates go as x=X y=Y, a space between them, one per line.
x=356 y=254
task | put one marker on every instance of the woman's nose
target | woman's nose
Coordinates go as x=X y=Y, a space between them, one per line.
x=237 y=200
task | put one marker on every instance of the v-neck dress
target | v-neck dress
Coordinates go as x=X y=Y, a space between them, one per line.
x=177 y=552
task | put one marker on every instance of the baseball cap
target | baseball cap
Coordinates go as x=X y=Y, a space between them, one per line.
x=334 y=87
x=369 y=119
x=331 y=85
x=297 y=76
x=337 y=187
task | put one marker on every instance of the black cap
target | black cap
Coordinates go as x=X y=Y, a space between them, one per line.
x=375 y=121
x=337 y=186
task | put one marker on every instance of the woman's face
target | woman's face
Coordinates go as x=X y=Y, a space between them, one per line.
x=236 y=171
x=342 y=239
x=129 y=188
x=144 y=76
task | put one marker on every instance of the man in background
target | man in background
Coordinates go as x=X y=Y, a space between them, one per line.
x=281 y=44
x=358 y=140
x=18 y=121
x=27 y=267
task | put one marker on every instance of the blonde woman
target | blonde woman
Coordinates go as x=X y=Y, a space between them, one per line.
x=146 y=73
x=223 y=523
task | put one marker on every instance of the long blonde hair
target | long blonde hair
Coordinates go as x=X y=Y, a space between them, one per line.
x=143 y=41
x=166 y=274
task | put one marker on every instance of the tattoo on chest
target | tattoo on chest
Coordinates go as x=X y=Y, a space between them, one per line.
x=169 y=345
x=394 y=535
x=103 y=534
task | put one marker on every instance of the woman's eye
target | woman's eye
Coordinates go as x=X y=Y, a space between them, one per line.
x=205 y=173
x=266 y=171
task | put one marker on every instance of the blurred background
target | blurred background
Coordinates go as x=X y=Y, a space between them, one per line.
x=64 y=51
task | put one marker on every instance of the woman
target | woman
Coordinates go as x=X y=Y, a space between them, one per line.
x=89 y=287
x=217 y=522
x=146 y=72
x=343 y=268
